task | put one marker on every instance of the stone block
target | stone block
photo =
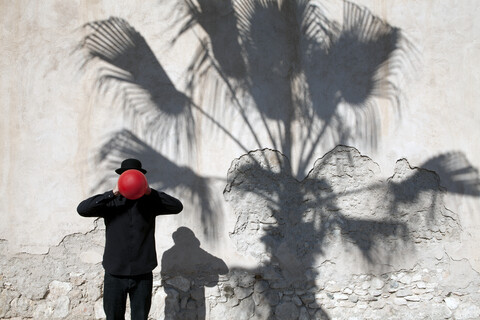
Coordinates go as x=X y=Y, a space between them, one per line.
x=403 y=293
x=377 y=283
x=286 y=311
x=91 y=257
x=412 y=298
x=261 y=286
x=244 y=311
x=298 y=302
x=198 y=294
x=99 y=313
x=466 y=311
x=242 y=293
x=452 y=303
x=180 y=283
x=60 y=307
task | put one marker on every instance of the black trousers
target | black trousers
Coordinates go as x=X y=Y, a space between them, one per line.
x=115 y=291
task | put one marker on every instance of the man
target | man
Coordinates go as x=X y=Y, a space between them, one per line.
x=129 y=255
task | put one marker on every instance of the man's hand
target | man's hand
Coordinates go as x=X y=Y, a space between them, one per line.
x=115 y=190
x=148 y=191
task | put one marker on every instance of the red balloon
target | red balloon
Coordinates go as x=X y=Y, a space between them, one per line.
x=132 y=184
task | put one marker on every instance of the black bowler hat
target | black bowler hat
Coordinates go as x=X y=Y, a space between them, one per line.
x=130 y=164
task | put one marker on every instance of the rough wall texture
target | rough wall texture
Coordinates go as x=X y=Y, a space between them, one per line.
x=340 y=244
x=343 y=243
x=188 y=86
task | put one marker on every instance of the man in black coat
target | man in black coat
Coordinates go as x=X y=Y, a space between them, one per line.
x=130 y=254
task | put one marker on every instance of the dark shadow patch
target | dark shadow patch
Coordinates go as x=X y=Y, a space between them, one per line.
x=186 y=270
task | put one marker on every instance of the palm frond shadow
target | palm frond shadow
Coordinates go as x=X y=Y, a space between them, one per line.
x=163 y=174
x=448 y=172
x=300 y=65
x=128 y=67
x=457 y=174
x=220 y=54
x=353 y=64
x=221 y=64
x=217 y=18
x=269 y=35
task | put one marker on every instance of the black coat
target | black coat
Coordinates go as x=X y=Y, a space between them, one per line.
x=130 y=229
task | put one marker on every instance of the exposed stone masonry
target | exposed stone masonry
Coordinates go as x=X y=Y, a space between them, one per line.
x=416 y=294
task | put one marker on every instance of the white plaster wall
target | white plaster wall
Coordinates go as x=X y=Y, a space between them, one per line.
x=54 y=123
x=442 y=108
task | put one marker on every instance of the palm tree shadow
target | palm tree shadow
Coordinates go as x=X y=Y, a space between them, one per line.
x=301 y=66
x=297 y=222
x=351 y=64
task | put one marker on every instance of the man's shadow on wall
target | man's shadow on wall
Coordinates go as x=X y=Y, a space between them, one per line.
x=186 y=270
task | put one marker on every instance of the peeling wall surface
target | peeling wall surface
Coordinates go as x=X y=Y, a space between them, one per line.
x=325 y=152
